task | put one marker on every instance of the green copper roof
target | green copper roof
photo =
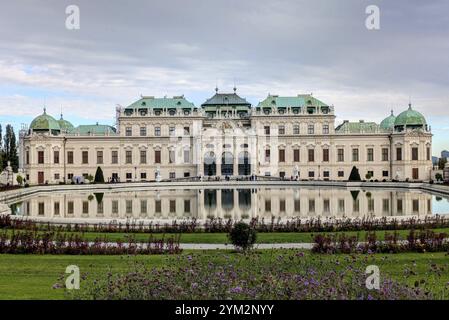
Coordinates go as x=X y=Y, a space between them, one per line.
x=226 y=99
x=357 y=127
x=162 y=103
x=64 y=124
x=44 y=122
x=301 y=100
x=96 y=129
x=410 y=117
x=388 y=123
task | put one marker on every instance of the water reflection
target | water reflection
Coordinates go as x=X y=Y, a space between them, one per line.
x=229 y=203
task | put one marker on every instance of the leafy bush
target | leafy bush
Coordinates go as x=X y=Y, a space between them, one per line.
x=19 y=180
x=242 y=236
x=355 y=175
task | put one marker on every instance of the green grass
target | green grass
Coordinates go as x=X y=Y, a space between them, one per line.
x=267 y=237
x=32 y=276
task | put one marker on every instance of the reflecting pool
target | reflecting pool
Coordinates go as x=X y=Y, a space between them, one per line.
x=236 y=203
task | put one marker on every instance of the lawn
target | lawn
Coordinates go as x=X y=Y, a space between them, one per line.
x=262 y=237
x=32 y=276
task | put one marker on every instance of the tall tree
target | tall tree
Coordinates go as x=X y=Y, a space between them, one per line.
x=10 y=148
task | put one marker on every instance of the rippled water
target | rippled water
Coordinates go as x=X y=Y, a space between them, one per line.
x=178 y=203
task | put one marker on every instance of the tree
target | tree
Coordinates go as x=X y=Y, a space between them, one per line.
x=355 y=175
x=368 y=176
x=19 y=180
x=442 y=163
x=99 y=178
x=10 y=149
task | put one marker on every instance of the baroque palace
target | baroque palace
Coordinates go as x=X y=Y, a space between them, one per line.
x=169 y=138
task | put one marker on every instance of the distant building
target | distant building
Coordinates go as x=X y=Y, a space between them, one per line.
x=227 y=136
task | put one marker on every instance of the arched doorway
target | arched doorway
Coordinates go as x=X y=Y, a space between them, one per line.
x=210 y=165
x=227 y=164
x=244 y=164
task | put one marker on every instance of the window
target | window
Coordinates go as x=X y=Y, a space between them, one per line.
x=415 y=173
x=399 y=154
x=40 y=157
x=267 y=205
x=341 y=174
x=186 y=156
x=157 y=131
x=282 y=205
x=186 y=131
x=281 y=130
x=70 y=207
x=129 y=207
x=296 y=129
x=143 y=156
x=282 y=174
x=129 y=176
x=143 y=206
x=267 y=155
x=371 y=174
x=311 y=155
x=128 y=131
x=415 y=205
x=143 y=175
x=296 y=155
x=399 y=206
x=297 y=205
x=370 y=154
x=100 y=207
x=355 y=155
x=186 y=174
x=386 y=205
x=171 y=156
x=41 y=209
x=281 y=155
x=172 y=175
x=27 y=156
x=311 y=205
x=266 y=130
x=69 y=176
x=341 y=205
x=340 y=155
x=129 y=156
x=326 y=205
x=356 y=205
x=428 y=156
x=99 y=157
x=143 y=131
x=326 y=174
x=325 y=129
x=325 y=155
x=310 y=129
x=85 y=157
x=371 y=205
x=56 y=208
x=85 y=207
x=115 y=206
x=187 y=206
x=171 y=131
x=311 y=174
x=415 y=154
x=157 y=156
x=114 y=157
x=56 y=176
x=158 y=206
x=56 y=157
x=172 y=206
x=385 y=154
x=70 y=157
x=385 y=173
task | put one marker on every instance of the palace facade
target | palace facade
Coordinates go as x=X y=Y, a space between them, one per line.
x=170 y=138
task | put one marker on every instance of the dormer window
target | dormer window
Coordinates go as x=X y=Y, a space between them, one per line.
x=172 y=112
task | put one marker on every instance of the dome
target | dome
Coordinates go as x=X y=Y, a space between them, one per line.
x=410 y=117
x=388 y=123
x=45 y=122
x=65 y=125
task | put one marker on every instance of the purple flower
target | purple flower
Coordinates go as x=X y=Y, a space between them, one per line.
x=237 y=290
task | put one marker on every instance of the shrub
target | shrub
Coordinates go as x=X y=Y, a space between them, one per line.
x=242 y=236
x=19 y=180
x=99 y=178
x=355 y=175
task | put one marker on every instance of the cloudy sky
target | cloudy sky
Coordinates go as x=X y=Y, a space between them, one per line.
x=172 y=47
